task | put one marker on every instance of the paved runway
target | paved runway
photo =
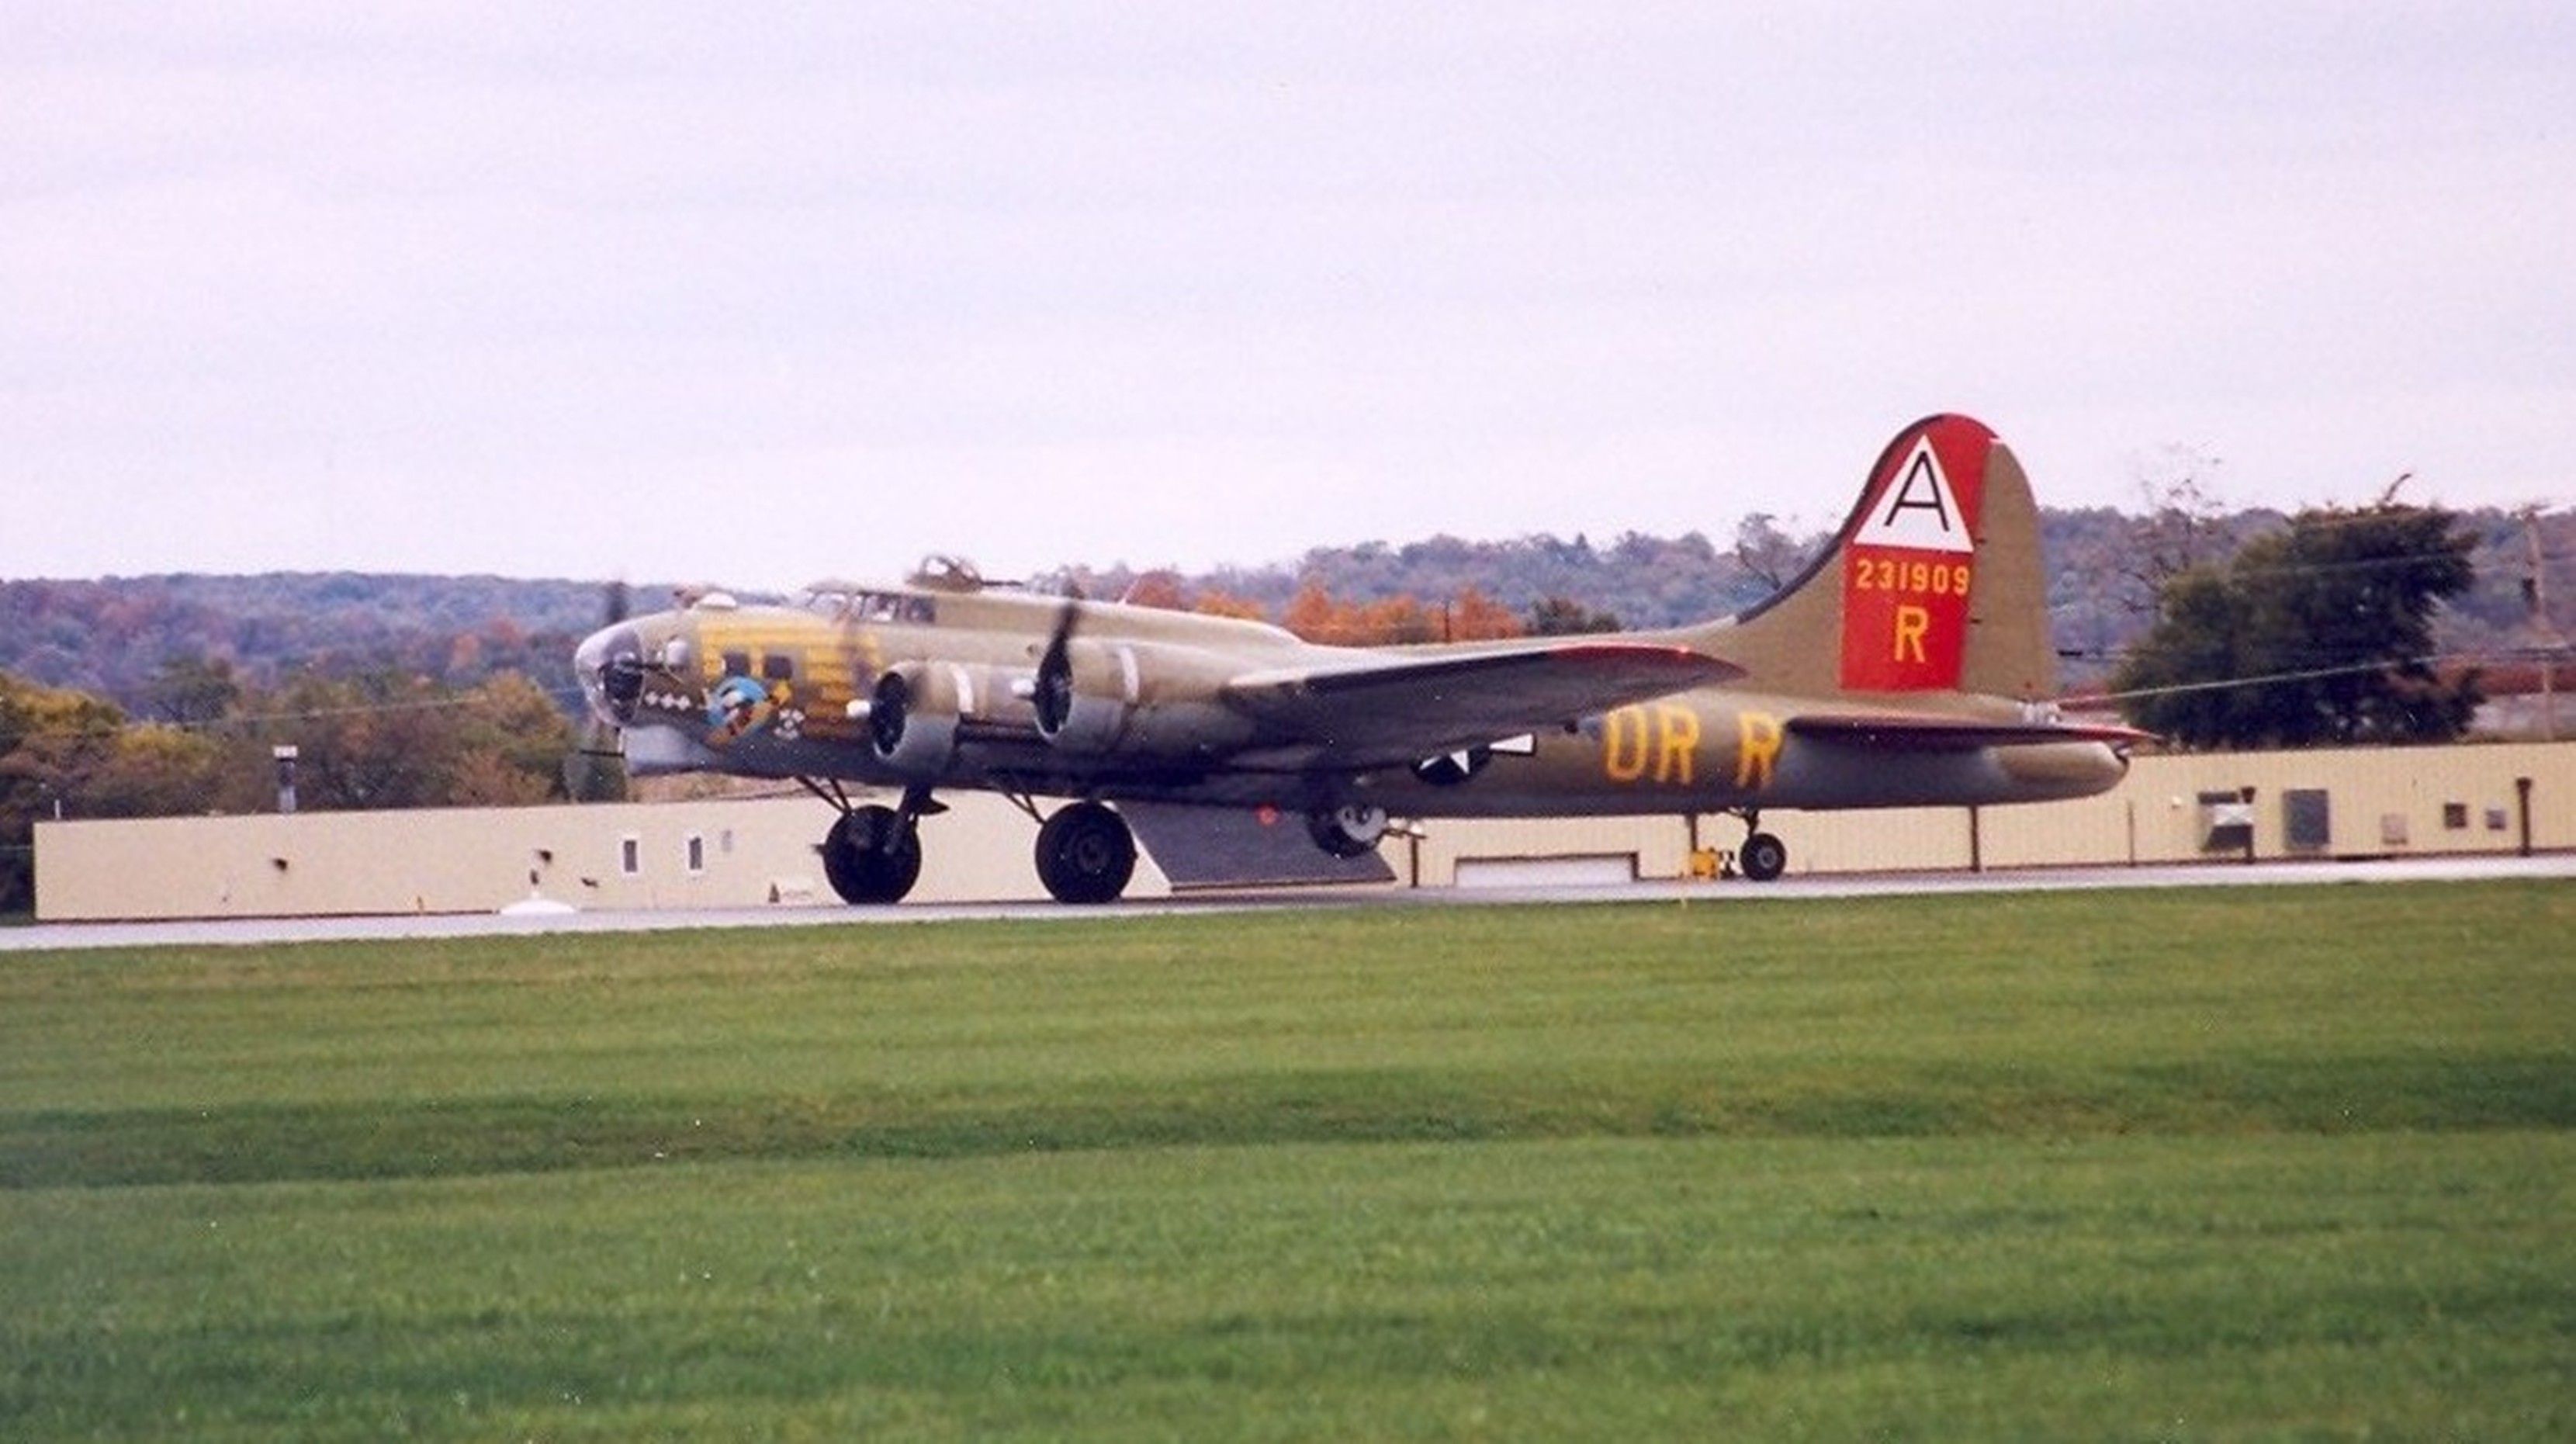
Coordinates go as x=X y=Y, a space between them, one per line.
x=246 y=931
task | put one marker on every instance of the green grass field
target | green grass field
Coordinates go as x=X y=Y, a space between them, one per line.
x=2221 y=1164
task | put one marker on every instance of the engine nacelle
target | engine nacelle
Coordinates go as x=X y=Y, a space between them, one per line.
x=1086 y=695
x=1350 y=830
x=912 y=718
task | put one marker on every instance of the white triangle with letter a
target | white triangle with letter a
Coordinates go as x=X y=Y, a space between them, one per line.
x=1918 y=509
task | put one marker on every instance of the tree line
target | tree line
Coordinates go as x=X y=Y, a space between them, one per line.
x=108 y=637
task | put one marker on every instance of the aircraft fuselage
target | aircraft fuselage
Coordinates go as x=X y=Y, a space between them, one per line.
x=1909 y=665
x=769 y=691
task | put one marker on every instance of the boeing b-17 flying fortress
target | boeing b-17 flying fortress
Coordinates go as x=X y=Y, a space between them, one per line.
x=1908 y=666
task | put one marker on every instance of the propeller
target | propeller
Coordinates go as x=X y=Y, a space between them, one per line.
x=889 y=712
x=1053 y=695
x=595 y=769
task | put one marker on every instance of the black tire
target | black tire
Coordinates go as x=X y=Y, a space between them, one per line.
x=1086 y=854
x=1328 y=836
x=872 y=856
x=1763 y=857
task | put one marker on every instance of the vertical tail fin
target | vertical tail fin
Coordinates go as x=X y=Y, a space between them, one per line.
x=1933 y=584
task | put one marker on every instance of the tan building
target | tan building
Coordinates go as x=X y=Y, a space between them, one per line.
x=751 y=853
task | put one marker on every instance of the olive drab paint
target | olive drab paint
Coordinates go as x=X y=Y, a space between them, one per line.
x=1911 y=559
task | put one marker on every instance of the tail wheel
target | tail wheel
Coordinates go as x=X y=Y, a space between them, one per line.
x=1763 y=857
x=1351 y=830
x=872 y=855
x=1086 y=854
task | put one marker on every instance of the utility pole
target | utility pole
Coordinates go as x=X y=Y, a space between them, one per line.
x=2535 y=594
x=284 y=754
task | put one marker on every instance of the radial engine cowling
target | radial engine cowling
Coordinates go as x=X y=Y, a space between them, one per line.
x=1086 y=695
x=912 y=718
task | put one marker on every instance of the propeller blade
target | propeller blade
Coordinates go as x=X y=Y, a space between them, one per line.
x=1053 y=696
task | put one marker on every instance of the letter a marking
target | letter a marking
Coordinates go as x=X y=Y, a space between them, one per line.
x=1919 y=508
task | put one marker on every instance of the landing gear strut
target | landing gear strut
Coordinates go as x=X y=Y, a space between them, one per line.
x=1763 y=856
x=1086 y=854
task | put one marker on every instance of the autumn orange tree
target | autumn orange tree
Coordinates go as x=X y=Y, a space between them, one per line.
x=1316 y=615
x=1470 y=616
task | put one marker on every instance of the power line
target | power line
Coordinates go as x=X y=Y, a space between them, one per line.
x=2312 y=674
x=315 y=714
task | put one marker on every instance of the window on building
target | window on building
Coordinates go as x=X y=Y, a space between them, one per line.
x=630 y=854
x=697 y=853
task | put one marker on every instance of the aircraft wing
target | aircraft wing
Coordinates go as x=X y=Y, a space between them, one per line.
x=1909 y=732
x=1383 y=708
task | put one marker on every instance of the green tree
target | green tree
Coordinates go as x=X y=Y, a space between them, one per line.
x=387 y=738
x=49 y=740
x=156 y=771
x=511 y=745
x=1768 y=554
x=69 y=754
x=193 y=691
x=2320 y=634
x=380 y=739
x=1560 y=616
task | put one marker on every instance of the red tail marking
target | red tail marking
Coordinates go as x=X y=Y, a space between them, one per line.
x=1910 y=558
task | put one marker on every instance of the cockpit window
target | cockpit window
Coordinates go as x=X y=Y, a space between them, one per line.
x=872 y=607
x=892 y=607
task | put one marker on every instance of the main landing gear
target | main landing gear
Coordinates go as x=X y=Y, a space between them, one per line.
x=1763 y=856
x=1086 y=854
x=872 y=855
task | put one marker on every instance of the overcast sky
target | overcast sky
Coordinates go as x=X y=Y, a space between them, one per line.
x=761 y=294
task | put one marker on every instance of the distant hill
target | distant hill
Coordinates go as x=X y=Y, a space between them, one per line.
x=109 y=636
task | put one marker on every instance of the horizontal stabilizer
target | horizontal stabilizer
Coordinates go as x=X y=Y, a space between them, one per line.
x=1906 y=732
